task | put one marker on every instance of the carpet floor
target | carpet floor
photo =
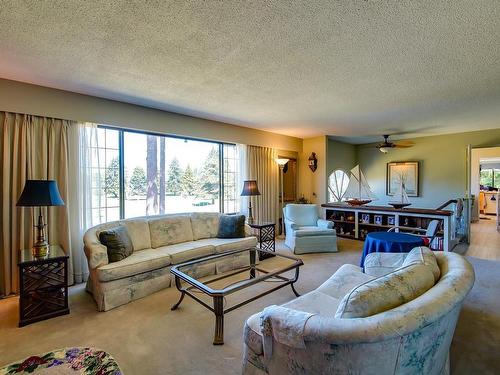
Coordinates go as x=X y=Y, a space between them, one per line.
x=146 y=337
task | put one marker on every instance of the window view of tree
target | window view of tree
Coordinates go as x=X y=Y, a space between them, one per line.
x=161 y=175
x=112 y=179
x=174 y=185
x=177 y=175
x=490 y=177
x=189 y=183
x=137 y=184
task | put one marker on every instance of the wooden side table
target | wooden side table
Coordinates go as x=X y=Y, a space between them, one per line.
x=43 y=284
x=266 y=232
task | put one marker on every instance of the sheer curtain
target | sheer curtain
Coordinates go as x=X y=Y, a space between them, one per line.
x=242 y=176
x=85 y=192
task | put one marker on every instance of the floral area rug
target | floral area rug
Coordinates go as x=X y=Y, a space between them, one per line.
x=77 y=361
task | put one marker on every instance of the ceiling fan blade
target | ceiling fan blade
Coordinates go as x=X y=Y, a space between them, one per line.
x=406 y=142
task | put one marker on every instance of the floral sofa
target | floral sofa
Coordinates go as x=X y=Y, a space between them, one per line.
x=159 y=242
x=397 y=317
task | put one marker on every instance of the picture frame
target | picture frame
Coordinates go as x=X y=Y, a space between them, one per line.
x=365 y=218
x=377 y=219
x=409 y=171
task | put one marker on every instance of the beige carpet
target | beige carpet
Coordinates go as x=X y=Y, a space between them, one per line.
x=146 y=337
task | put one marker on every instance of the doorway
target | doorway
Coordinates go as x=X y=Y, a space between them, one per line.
x=484 y=188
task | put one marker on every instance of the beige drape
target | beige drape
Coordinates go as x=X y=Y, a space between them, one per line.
x=261 y=166
x=31 y=147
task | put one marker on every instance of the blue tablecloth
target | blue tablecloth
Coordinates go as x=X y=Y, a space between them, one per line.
x=389 y=242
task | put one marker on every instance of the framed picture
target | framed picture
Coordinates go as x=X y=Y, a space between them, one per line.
x=391 y=220
x=378 y=219
x=406 y=172
x=365 y=218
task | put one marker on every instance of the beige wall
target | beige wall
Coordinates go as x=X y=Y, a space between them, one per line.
x=37 y=100
x=442 y=165
x=313 y=185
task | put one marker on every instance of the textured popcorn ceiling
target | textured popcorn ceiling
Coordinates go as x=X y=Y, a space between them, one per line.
x=342 y=68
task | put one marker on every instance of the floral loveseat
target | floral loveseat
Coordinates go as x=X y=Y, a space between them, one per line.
x=158 y=242
x=357 y=323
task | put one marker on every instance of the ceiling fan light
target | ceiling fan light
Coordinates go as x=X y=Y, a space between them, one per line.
x=384 y=150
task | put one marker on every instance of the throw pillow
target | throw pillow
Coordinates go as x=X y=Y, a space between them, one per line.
x=231 y=226
x=117 y=242
x=386 y=292
x=423 y=255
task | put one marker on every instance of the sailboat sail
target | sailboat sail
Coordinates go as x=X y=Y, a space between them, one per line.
x=401 y=197
x=358 y=187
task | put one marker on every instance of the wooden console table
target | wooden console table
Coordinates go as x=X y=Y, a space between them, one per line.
x=357 y=221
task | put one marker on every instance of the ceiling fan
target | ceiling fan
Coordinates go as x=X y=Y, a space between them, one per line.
x=387 y=145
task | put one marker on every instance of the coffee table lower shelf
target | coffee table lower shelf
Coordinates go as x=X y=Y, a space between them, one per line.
x=218 y=295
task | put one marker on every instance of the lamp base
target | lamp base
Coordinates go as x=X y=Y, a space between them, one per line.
x=41 y=246
x=250 y=215
x=40 y=249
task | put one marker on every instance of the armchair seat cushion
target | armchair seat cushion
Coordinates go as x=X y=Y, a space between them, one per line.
x=314 y=302
x=314 y=231
x=138 y=262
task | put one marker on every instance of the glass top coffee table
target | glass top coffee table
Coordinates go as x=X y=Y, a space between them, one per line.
x=245 y=273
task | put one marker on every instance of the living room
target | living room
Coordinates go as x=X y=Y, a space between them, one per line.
x=169 y=168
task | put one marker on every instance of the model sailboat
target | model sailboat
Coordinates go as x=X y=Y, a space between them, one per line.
x=358 y=191
x=400 y=197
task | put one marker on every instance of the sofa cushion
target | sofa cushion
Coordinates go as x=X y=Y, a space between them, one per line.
x=423 y=255
x=185 y=251
x=231 y=226
x=117 y=242
x=344 y=280
x=223 y=245
x=314 y=231
x=170 y=230
x=386 y=292
x=138 y=262
x=205 y=224
x=138 y=231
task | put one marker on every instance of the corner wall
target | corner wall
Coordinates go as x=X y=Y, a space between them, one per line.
x=312 y=185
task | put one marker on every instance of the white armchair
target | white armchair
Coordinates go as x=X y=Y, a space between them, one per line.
x=306 y=232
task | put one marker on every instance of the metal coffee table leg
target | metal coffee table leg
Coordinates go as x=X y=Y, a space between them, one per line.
x=293 y=282
x=219 y=320
x=179 y=288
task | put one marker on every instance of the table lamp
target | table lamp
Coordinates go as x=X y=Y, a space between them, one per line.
x=40 y=193
x=250 y=189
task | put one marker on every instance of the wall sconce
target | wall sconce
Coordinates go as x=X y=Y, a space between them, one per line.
x=313 y=162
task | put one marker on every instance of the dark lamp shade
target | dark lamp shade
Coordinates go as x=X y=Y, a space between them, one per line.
x=250 y=188
x=40 y=193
